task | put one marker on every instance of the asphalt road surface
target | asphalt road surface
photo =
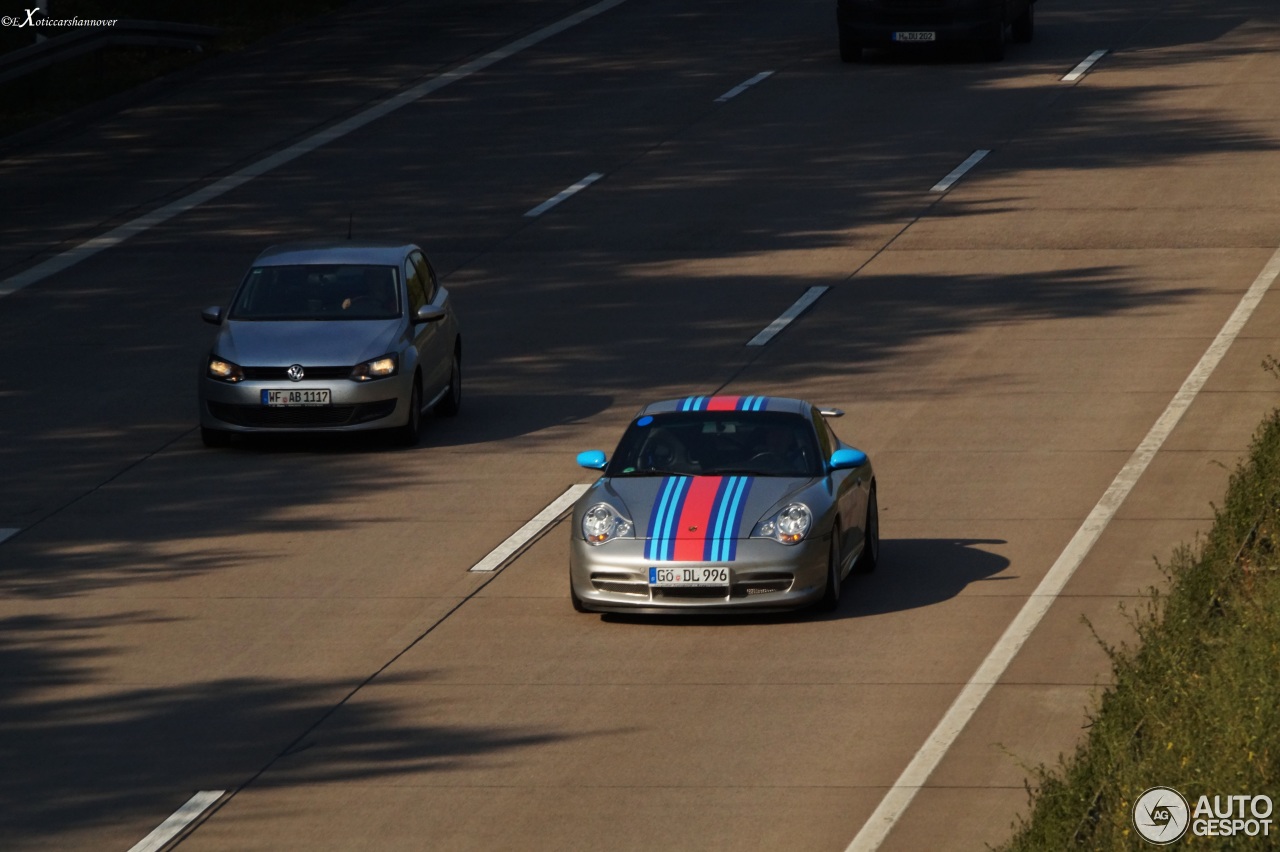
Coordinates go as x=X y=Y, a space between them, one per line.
x=290 y=626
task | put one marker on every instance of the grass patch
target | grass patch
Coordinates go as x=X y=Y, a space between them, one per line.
x=1195 y=704
x=75 y=83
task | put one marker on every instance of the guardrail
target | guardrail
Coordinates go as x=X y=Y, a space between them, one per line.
x=27 y=60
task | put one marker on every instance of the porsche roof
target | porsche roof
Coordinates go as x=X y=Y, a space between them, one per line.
x=728 y=403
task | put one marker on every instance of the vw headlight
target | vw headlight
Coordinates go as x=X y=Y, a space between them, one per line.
x=378 y=368
x=224 y=371
x=789 y=526
x=602 y=523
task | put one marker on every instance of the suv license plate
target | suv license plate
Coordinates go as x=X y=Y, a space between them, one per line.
x=915 y=35
x=701 y=576
x=287 y=398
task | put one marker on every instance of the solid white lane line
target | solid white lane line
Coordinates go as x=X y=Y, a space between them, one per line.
x=742 y=87
x=526 y=533
x=1081 y=69
x=564 y=193
x=958 y=172
x=8 y=532
x=993 y=667
x=181 y=818
x=163 y=214
x=810 y=296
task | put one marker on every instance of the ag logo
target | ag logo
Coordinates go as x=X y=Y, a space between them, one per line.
x=1161 y=815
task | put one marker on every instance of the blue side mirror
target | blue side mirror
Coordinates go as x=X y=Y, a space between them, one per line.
x=845 y=459
x=594 y=459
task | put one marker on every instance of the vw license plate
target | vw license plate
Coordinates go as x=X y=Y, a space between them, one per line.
x=916 y=35
x=701 y=576
x=286 y=398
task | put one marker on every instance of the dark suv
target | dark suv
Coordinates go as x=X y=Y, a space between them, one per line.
x=885 y=23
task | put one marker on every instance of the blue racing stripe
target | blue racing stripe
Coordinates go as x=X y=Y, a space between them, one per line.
x=737 y=505
x=711 y=545
x=662 y=538
x=656 y=516
x=667 y=546
x=694 y=403
x=722 y=538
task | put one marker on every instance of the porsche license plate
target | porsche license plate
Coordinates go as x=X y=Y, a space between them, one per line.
x=700 y=576
x=916 y=35
x=287 y=398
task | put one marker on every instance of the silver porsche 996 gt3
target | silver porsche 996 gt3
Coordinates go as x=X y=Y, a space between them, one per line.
x=723 y=504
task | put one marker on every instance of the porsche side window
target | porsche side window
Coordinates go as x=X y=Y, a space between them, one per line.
x=826 y=440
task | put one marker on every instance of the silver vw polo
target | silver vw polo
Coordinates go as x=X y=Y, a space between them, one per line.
x=723 y=504
x=333 y=337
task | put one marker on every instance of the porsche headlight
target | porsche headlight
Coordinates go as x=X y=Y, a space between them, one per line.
x=224 y=371
x=790 y=525
x=602 y=523
x=378 y=368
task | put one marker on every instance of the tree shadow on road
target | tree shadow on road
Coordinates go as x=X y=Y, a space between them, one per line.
x=75 y=776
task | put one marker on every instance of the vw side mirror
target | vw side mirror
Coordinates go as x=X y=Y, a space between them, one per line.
x=429 y=313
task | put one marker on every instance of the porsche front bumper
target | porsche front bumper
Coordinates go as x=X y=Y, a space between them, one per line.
x=764 y=576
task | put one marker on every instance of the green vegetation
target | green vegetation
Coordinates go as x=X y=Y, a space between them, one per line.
x=1195 y=705
x=51 y=92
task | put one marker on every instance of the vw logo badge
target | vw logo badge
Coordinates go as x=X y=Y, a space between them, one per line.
x=296 y=373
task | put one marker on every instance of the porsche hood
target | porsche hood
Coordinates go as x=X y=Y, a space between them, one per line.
x=698 y=518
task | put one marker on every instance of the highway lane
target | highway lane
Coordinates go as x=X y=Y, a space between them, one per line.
x=196 y=614
x=180 y=136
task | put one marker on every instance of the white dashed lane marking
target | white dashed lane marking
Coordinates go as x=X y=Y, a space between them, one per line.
x=181 y=818
x=500 y=554
x=1083 y=68
x=742 y=87
x=959 y=171
x=563 y=194
x=788 y=316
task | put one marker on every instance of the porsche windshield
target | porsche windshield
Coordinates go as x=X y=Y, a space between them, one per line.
x=718 y=443
x=318 y=292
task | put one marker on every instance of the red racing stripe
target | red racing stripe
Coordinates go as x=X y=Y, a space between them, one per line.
x=723 y=403
x=698 y=503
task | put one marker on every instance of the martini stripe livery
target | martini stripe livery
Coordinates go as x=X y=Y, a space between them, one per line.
x=724 y=403
x=694 y=524
x=697 y=519
x=666 y=510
